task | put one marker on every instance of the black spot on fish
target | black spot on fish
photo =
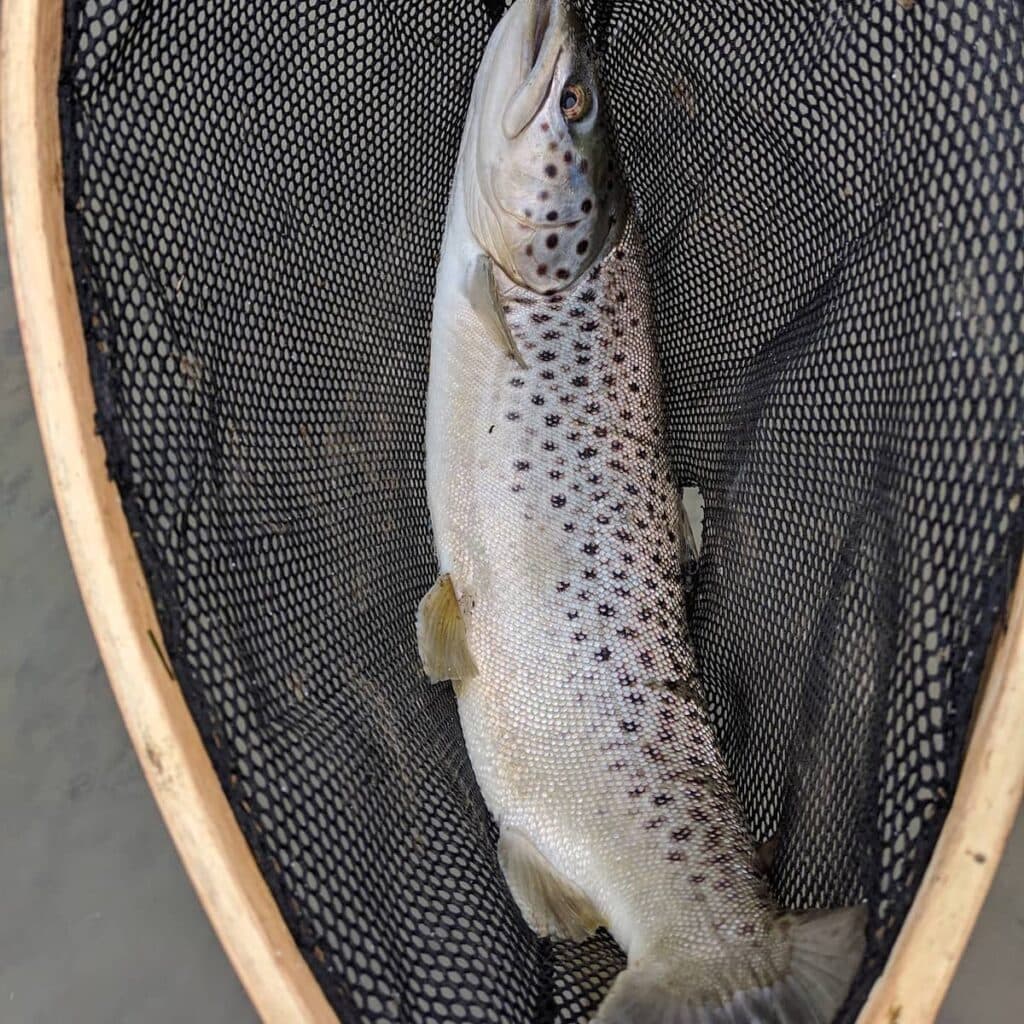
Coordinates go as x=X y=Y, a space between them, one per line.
x=663 y=798
x=551 y=170
x=582 y=246
x=587 y=206
x=628 y=726
x=552 y=242
x=552 y=215
x=558 y=500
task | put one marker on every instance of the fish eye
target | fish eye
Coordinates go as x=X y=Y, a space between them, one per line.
x=575 y=102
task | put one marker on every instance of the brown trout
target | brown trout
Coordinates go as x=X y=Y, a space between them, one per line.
x=559 y=610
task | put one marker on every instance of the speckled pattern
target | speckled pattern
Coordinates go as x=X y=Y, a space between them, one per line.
x=574 y=596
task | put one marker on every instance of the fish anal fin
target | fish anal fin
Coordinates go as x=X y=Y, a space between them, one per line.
x=551 y=904
x=482 y=293
x=441 y=634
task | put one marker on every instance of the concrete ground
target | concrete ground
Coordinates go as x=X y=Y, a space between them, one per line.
x=98 y=923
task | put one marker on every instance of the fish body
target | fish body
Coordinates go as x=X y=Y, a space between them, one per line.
x=559 y=611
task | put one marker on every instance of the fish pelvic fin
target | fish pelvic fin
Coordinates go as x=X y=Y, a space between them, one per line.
x=441 y=634
x=826 y=947
x=552 y=905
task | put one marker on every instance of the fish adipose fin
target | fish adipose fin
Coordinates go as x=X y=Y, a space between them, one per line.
x=826 y=950
x=764 y=858
x=551 y=904
x=482 y=292
x=441 y=633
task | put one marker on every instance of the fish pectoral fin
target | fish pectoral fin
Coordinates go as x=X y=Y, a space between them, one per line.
x=441 y=634
x=552 y=905
x=482 y=293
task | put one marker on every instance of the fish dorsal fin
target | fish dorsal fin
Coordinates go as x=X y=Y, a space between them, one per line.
x=441 y=633
x=482 y=293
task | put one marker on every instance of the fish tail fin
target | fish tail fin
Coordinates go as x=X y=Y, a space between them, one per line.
x=826 y=950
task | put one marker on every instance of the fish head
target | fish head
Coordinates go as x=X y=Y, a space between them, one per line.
x=541 y=197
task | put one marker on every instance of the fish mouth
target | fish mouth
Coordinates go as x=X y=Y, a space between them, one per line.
x=542 y=20
x=544 y=33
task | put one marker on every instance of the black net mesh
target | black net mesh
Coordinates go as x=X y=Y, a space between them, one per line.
x=832 y=194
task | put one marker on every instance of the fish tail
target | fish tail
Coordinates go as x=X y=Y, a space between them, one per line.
x=826 y=947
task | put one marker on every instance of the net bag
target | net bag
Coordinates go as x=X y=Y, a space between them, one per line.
x=253 y=201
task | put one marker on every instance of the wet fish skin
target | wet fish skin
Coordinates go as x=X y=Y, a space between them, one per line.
x=560 y=608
